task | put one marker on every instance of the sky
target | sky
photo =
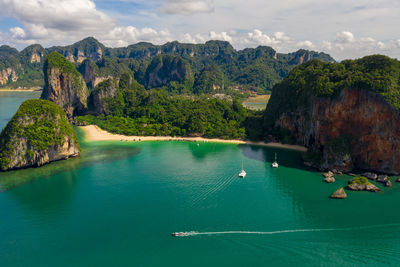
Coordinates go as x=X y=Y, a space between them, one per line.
x=341 y=28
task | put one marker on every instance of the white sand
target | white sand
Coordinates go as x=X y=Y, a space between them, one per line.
x=94 y=133
x=20 y=90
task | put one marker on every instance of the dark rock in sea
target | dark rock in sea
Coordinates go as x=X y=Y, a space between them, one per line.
x=329 y=179
x=361 y=184
x=398 y=180
x=382 y=178
x=370 y=175
x=388 y=183
x=339 y=194
x=308 y=164
x=38 y=133
x=327 y=174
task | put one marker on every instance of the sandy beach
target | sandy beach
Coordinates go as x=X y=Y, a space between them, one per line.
x=94 y=133
x=20 y=90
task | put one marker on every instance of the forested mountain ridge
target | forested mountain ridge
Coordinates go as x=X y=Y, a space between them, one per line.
x=252 y=68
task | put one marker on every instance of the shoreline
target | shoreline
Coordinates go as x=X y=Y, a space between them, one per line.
x=20 y=90
x=93 y=133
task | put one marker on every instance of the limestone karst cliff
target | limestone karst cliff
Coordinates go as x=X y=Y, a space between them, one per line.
x=64 y=85
x=8 y=75
x=38 y=133
x=101 y=95
x=346 y=114
x=164 y=69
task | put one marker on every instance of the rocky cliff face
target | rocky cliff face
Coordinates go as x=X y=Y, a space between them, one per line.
x=64 y=85
x=88 y=48
x=35 y=58
x=164 y=69
x=8 y=75
x=88 y=73
x=344 y=127
x=361 y=124
x=103 y=92
x=37 y=134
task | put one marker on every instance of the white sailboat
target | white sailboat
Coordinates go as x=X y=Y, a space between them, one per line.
x=275 y=163
x=242 y=173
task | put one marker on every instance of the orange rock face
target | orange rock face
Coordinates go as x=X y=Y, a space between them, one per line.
x=371 y=124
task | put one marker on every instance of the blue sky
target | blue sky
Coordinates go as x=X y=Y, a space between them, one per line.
x=342 y=28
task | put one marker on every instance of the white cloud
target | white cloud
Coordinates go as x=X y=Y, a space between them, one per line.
x=55 y=19
x=18 y=32
x=326 y=45
x=285 y=25
x=123 y=36
x=186 y=7
x=346 y=45
x=187 y=38
x=224 y=36
x=259 y=38
x=306 y=44
x=344 y=37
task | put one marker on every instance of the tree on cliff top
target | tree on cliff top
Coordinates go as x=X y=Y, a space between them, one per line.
x=41 y=123
x=376 y=73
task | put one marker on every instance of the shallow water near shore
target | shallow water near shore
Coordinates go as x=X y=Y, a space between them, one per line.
x=118 y=204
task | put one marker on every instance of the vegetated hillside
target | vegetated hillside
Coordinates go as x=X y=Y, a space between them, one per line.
x=128 y=108
x=21 y=69
x=124 y=106
x=37 y=134
x=164 y=69
x=252 y=68
x=347 y=114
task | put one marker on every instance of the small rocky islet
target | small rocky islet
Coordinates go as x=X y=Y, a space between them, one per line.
x=37 y=134
x=339 y=194
x=360 y=183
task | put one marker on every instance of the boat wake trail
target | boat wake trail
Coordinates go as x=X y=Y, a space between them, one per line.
x=194 y=233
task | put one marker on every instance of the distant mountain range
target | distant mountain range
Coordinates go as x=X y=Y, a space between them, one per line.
x=212 y=67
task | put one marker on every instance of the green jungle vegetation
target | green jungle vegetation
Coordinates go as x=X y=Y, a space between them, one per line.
x=136 y=111
x=41 y=122
x=213 y=67
x=360 y=180
x=315 y=78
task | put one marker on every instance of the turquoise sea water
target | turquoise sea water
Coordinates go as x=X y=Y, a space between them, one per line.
x=119 y=202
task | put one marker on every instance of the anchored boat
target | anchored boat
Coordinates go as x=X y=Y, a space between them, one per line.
x=275 y=163
x=242 y=173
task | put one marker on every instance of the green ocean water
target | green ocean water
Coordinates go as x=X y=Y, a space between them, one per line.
x=119 y=202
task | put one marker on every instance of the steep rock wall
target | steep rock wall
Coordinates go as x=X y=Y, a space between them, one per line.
x=64 y=85
x=369 y=123
x=37 y=134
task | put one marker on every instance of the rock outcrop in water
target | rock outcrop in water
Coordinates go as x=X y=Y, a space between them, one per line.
x=339 y=194
x=64 y=85
x=362 y=184
x=346 y=114
x=38 y=133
